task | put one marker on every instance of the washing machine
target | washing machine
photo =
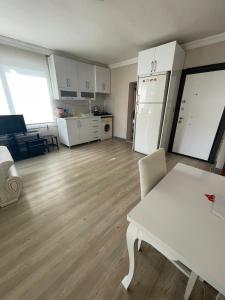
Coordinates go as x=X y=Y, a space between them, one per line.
x=106 y=126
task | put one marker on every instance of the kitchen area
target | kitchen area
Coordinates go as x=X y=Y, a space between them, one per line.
x=79 y=91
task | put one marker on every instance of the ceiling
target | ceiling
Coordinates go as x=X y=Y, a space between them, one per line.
x=109 y=31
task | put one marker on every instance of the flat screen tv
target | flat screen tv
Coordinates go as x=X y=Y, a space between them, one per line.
x=10 y=124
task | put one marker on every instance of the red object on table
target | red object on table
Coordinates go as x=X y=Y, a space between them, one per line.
x=210 y=197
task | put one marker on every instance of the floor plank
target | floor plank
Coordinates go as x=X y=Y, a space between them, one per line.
x=65 y=238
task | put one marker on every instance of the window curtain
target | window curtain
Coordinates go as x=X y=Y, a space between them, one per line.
x=25 y=85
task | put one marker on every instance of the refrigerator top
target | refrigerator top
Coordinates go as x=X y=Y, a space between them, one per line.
x=153 y=89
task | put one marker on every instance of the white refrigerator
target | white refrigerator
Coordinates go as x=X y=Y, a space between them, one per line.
x=151 y=101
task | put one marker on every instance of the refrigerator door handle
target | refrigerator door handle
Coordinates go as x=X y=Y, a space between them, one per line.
x=137 y=108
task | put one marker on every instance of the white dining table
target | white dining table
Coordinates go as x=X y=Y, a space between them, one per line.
x=177 y=219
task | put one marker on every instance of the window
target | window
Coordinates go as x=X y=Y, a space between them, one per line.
x=24 y=86
x=4 y=108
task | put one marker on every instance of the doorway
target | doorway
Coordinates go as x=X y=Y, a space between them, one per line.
x=131 y=110
x=198 y=124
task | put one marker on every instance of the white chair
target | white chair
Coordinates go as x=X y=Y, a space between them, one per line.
x=152 y=169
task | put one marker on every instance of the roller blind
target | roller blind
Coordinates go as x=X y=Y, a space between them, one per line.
x=25 y=85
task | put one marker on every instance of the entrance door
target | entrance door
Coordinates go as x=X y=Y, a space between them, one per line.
x=201 y=109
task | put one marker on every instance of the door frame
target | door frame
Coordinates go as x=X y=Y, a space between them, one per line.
x=219 y=133
x=131 y=106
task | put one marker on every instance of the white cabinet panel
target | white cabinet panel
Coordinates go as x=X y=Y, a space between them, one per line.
x=164 y=57
x=102 y=80
x=155 y=60
x=146 y=61
x=73 y=128
x=71 y=80
x=86 y=77
x=66 y=72
x=74 y=131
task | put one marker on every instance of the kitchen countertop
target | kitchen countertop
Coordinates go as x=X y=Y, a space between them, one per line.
x=81 y=117
x=85 y=117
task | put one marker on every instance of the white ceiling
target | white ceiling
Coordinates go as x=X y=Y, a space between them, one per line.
x=109 y=31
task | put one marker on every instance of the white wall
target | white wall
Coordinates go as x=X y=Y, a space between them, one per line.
x=117 y=102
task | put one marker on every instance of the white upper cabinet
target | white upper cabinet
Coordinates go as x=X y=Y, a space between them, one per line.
x=66 y=72
x=158 y=59
x=86 y=77
x=71 y=80
x=146 y=60
x=102 y=80
x=164 y=57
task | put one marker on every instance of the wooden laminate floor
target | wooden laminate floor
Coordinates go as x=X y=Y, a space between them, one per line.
x=65 y=238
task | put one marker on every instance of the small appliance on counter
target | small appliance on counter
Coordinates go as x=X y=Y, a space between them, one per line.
x=62 y=112
x=99 y=111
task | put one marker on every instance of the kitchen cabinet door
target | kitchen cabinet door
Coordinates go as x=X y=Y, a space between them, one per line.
x=84 y=130
x=72 y=71
x=146 y=60
x=86 y=77
x=102 y=80
x=66 y=71
x=60 y=70
x=73 y=129
x=164 y=57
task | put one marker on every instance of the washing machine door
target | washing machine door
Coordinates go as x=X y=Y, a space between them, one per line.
x=107 y=127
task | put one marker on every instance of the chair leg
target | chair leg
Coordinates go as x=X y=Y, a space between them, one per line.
x=139 y=245
x=191 y=282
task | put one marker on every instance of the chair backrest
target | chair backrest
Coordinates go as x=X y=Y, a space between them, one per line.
x=152 y=169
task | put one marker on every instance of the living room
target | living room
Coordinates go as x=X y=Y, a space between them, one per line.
x=112 y=150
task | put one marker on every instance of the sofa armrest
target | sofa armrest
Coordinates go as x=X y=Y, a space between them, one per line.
x=6 y=161
x=14 y=182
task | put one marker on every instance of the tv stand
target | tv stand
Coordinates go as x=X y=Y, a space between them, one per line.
x=24 y=145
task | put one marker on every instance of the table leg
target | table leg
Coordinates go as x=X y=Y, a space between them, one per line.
x=191 y=282
x=220 y=297
x=131 y=238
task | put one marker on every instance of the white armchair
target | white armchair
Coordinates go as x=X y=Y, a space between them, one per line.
x=10 y=181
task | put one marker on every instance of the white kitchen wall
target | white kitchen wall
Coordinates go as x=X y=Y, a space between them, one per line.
x=81 y=106
x=117 y=102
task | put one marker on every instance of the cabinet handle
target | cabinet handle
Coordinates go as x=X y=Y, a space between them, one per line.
x=155 y=65
x=68 y=82
x=103 y=86
x=152 y=64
